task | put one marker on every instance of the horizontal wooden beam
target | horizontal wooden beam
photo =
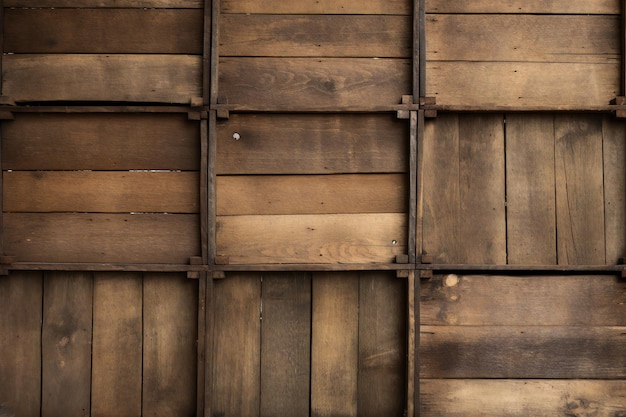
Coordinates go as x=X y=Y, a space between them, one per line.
x=89 y=266
x=601 y=269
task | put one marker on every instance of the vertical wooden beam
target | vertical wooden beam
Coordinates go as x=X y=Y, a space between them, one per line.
x=419 y=186
x=417 y=25
x=623 y=68
x=201 y=380
x=413 y=133
x=206 y=52
x=215 y=13
x=204 y=194
x=421 y=50
x=211 y=191
x=412 y=370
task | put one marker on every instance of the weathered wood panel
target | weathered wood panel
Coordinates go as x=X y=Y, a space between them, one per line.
x=169 y=345
x=100 y=142
x=160 y=4
x=337 y=238
x=476 y=300
x=312 y=144
x=556 y=352
x=66 y=344
x=20 y=345
x=138 y=31
x=104 y=192
x=511 y=398
x=123 y=238
x=524 y=6
x=614 y=158
x=283 y=84
x=334 y=344
x=315 y=36
x=237 y=343
x=304 y=194
x=317 y=7
x=286 y=345
x=117 y=345
x=89 y=77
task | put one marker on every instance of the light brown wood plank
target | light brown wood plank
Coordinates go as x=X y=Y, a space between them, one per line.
x=119 y=238
x=530 y=189
x=315 y=35
x=579 y=190
x=286 y=344
x=476 y=300
x=312 y=144
x=117 y=345
x=316 y=7
x=100 y=142
x=161 y=4
x=66 y=344
x=89 y=77
x=524 y=6
x=522 y=84
x=236 y=361
x=101 y=192
x=338 y=238
x=170 y=328
x=132 y=31
x=282 y=84
x=614 y=157
x=522 y=352
x=334 y=345
x=382 y=345
x=304 y=194
x=459 y=398
x=20 y=345
x=523 y=38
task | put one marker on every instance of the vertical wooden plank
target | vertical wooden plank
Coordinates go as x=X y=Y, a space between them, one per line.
x=204 y=193
x=237 y=334
x=419 y=187
x=117 y=345
x=614 y=148
x=531 y=205
x=334 y=345
x=413 y=133
x=382 y=345
x=414 y=314
x=286 y=344
x=215 y=13
x=417 y=39
x=66 y=344
x=169 y=345
x=211 y=184
x=206 y=52
x=579 y=189
x=20 y=344
x=202 y=381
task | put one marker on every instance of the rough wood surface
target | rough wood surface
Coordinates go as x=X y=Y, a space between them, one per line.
x=317 y=7
x=90 y=77
x=524 y=6
x=131 y=31
x=163 y=4
x=614 y=158
x=311 y=144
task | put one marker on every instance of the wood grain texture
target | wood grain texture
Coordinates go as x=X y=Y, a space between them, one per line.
x=236 y=361
x=170 y=328
x=315 y=35
x=117 y=344
x=513 y=398
x=20 y=345
x=312 y=144
x=100 y=142
x=286 y=345
x=614 y=158
x=162 y=4
x=304 y=194
x=317 y=7
x=524 y=6
x=579 y=192
x=478 y=300
x=120 y=238
x=516 y=352
x=530 y=189
x=125 y=31
x=338 y=238
x=334 y=344
x=91 y=77
x=66 y=344
x=282 y=84
x=101 y=192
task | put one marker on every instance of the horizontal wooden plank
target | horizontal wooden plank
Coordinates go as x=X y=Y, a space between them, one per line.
x=583 y=352
x=282 y=84
x=311 y=144
x=517 y=84
x=338 y=238
x=154 y=31
x=161 y=4
x=100 y=142
x=524 y=6
x=317 y=7
x=119 y=238
x=460 y=398
x=307 y=194
x=584 y=300
x=315 y=35
x=523 y=38
x=101 y=192
x=90 y=77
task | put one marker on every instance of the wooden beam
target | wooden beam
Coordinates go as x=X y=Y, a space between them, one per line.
x=82 y=266
x=413 y=135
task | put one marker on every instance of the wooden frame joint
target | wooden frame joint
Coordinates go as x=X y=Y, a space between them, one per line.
x=620 y=102
x=425 y=274
x=426 y=258
x=407 y=104
x=222 y=260
x=222 y=110
x=193 y=274
x=197 y=115
x=218 y=275
x=196 y=102
x=402 y=273
x=7 y=101
x=428 y=105
x=402 y=259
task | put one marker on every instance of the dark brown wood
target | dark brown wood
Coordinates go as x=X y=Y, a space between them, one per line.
x=214 y=52
x=352 y=7
x=417 y=314
x=94 y=266
x=614 y=159
x=159 y=4
x=211 y=190
x=204 y=191
x=412 y=192
x=203 y=377
x=316 y=267
x=583 y=7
